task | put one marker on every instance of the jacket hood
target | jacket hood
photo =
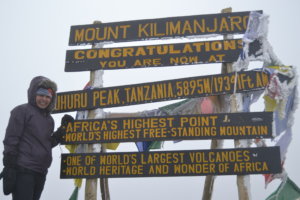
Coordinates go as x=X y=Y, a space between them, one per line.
x=41 y=81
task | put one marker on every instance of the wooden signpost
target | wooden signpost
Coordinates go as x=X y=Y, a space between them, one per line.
x=172 y=163
x=217 y=51
x=224 y=23
x=182 y=127
x=200 y=86
x=103 y=165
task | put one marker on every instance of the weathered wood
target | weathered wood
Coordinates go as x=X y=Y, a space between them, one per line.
x=243 y=191
x=209 y=180
x=91 y=184
x=104 y=183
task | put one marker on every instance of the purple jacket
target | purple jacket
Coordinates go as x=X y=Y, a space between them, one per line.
x=29 y=130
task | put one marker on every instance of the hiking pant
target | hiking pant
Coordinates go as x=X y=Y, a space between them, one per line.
x=29 y=185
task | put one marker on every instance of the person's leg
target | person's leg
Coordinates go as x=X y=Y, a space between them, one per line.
x=39 y=186
x=24 y=189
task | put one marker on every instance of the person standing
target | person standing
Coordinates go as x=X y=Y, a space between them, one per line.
x=29 y=140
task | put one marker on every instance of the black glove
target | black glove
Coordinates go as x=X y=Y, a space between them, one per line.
x=58 y=134
x=66 y=119
x=9 y=173
x=61 y=131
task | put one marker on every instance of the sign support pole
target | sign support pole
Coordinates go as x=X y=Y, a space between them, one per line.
x=215 y=144
x=243 y=191
x=104 y=182
x=91 y=184
x=210 y=179
x=96 y=81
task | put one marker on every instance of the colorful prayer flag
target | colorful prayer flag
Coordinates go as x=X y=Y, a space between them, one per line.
x=287 y=190
x=74 y=195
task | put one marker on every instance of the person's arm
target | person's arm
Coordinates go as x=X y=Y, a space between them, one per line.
x=14 y=131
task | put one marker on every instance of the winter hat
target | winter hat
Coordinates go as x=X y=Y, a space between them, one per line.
x=45 y=92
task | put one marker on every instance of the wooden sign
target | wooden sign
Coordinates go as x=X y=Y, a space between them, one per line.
x=183 y=127
x=161 y=91
x=225 y=23
x=217 y=51
x=264 y=160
